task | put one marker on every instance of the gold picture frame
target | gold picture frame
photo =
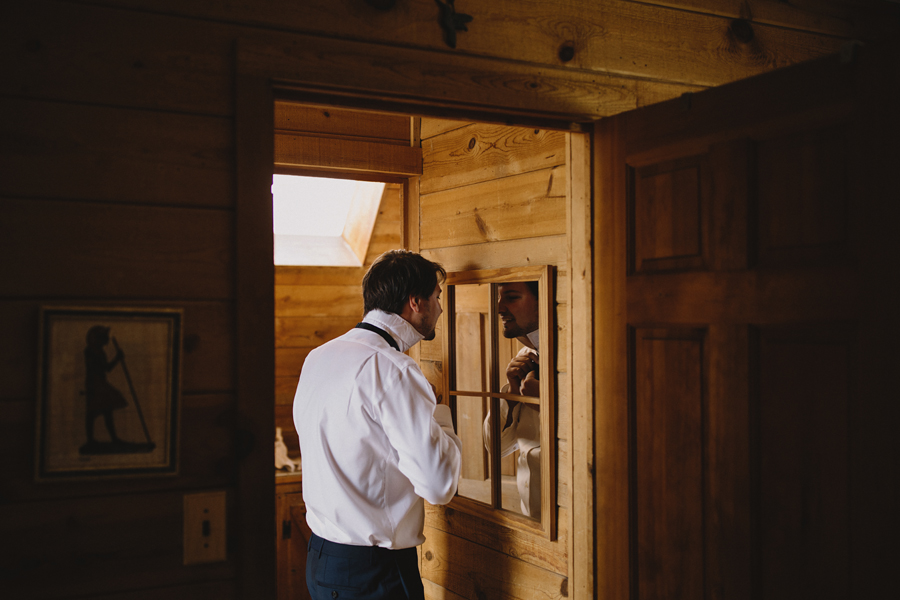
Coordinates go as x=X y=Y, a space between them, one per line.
x=109 y=384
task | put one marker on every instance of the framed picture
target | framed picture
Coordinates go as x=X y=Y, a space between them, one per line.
x=108 y=397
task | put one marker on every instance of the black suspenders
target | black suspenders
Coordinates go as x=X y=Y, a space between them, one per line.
x=387 y=337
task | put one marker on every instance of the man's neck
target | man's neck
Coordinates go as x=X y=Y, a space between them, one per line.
x=526 y=340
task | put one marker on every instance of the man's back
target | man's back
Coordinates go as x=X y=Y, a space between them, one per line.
x=370 y=445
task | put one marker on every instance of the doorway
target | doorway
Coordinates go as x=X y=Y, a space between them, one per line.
x=486 y=195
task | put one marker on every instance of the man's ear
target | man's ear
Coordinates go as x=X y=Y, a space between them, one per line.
x=415 y=303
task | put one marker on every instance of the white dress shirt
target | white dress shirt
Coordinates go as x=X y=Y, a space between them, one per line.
x=523 y=434
x=373 y=440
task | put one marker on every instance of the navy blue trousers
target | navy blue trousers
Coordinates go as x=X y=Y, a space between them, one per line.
x=361 y=572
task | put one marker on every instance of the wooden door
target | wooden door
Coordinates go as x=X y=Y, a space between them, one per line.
x=746 y=310
x=293 y=537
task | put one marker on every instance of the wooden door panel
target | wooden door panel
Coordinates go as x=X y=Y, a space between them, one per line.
x=803 y=196
x=728 y=423
x=805 y=389
x=742 y=257
x=667 y=215
x=667 y=467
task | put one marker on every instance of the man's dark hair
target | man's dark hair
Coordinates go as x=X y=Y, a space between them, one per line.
x=532 y=287
x=395 y=276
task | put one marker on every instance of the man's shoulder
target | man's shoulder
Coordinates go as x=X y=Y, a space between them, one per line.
x=362 y=344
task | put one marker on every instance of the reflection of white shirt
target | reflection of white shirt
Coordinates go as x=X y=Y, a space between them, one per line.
x=372 y=439
x=522 y=434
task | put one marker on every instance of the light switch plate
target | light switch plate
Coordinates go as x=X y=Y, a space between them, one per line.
x=204 y=528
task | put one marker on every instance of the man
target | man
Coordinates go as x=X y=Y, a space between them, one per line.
x=521 y=423
x=373 y=441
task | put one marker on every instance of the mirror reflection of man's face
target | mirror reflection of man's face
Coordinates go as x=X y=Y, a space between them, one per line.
x=518 y=309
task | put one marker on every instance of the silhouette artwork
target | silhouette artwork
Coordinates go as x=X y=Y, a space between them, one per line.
x=102 y=398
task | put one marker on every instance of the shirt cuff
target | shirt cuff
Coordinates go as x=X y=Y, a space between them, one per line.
x=443 y=417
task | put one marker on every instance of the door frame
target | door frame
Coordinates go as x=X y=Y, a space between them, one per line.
x=266 y=73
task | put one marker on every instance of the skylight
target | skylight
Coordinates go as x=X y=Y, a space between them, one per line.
x=323 y=222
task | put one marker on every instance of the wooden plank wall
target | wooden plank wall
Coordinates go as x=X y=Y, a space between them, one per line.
x=117 y=146
x=495 y=196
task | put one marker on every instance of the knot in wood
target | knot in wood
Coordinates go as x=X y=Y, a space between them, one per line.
x=471 y=143
x=566 y=52
x=429 y=555
x=742 y=30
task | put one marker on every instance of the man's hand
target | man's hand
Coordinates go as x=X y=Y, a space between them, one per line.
x=531 y=385
x=522 y=375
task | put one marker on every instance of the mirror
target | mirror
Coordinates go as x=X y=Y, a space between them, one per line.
x=497 y=322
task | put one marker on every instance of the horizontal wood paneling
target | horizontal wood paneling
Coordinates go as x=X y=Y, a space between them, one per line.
x=624 y=37
x=101 y=545
x=349 y=276
x=132 y=251
x=476 y=571
x=114 y=57
x=284 y=390
x=522 y=206
x=534 y=549
x=289 y=361
x=435 y=592
x=829 y=16
x=292 y=150
x=431 y=127
x=381 y=243
x=60 y=150
x=318 y=301
x=206 y=360
x=192 y=72
x=309 y=332
x=434 y=81
x=206 y=454
x=547 y=250
x=334 y=122
x=480 y=152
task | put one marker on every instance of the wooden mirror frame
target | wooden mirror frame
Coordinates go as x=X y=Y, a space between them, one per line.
x=546 y=525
